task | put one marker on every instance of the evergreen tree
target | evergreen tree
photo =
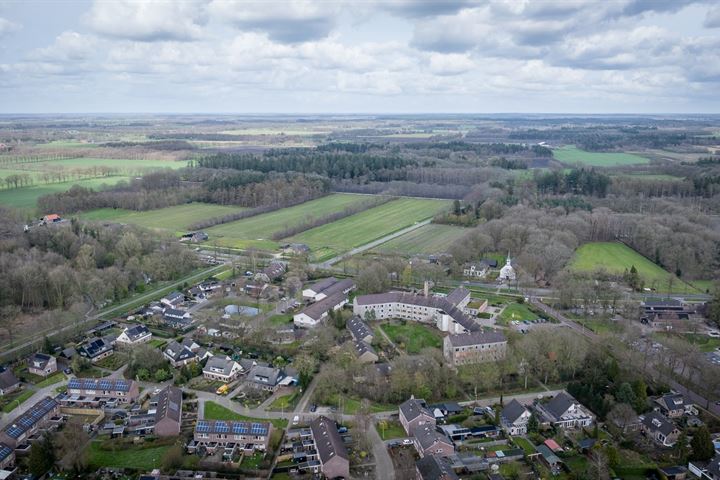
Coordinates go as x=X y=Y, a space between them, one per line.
x=702 y=446
x=42 y=456
x=533 y=424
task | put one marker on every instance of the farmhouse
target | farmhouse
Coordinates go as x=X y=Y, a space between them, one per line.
x=134 y=335
x=563 y=411
x=27 y=424
x=8 y=382
x=414 y=413
x=327 y=287
x=474 y=347
x=428 y=441
x=432 y=467
x=514 y=418
x=96 y=350
x=331 y=451
x=222 y=369
x=661 y=430
x=313 y=314
x=359 y=331
x=92 y=391
x=42 y=364
x=445 y=312
x=220 y=433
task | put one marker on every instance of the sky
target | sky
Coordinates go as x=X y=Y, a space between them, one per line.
x=362 y=56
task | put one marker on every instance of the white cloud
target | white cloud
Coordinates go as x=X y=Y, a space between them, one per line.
x=7 y=27
x=712 y=19
x=148 y=20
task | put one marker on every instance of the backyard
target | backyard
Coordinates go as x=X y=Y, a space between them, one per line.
x=412 y=337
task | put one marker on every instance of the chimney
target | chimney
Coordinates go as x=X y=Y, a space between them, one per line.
x=426 y=288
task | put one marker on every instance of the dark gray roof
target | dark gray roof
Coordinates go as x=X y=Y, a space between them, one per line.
x=432 y=467
x=95 y=348
x=413 y=408
x=672 y=401
x=8 y=379
x=274 y=270
x=342 y=286
x=362 y=347
x=432 y=301
x=560 y=404
x=174 y=313
x=657 y=302
x=174 y=296
x=457 y=295
x=138 y=331
x=169 y=404
x=266 y=375
x=178 y=352
x=39 y=360
x=513 y=411
x=318 y=309
x=217 y=362
x=427 y=436
x=358 y=329
x=657 y=422
x=323 y=284
x=476 y=338
x=327 y=439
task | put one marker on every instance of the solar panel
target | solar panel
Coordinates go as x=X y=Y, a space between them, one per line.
x=202 y=427
x=105 y=384
x=259 y=429
x=74 y=383
x=240 y=428
x=5 y=451
x=221 y=427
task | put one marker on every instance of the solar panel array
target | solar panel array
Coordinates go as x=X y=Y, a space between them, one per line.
x=236 y=428
x=5 y=451
x=118 y=385
x=33 y=416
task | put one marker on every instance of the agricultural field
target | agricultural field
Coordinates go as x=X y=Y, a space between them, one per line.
x=328 y=240
x=616 y=258
x=428 y=239
x=128 y=166
x=412 y=337
x=27 y=197
x=572 y=155
x=257 y=231
x=176 y=219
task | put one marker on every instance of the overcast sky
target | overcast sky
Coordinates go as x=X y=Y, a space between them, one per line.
x=362 y=56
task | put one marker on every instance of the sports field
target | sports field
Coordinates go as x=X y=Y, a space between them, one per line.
x=257 y=231
x=364 y=227
x=175 y=219
x=428 y=239
x=572 y=155
x=616 y=258
x=27 y=197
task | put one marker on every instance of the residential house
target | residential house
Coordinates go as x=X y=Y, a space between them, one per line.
x=271 y=273
x=429 y=441
x=134 y=335
x=331 y=451
x=179 y=355
x=42 y=364
x=7 y=457
x=563 y=411
x=222 y=369
x=433 y=309
x=268 y=378
x=414 y=413
x=27 y=424
x=313 y=314
x=219 y=433
x=97 y=349
x=433 y=467
x=168 y=412
x=176 y=316
x=474 y=347
x=365 y=352
x=326 y=288
x=90 y=391
x=8 y=382
x=514 y=418
x=661 y=430
x=359 y=330
x=673 y=405
x=172 y=299
x=706 y=470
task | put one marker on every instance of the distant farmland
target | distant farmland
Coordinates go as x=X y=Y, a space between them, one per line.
x=571 y=155
x=257 y=231
x=359 y=229
x=27 y=197
x=176 y=219
x=427 y=240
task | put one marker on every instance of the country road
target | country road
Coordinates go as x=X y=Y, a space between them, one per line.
x=8 y=352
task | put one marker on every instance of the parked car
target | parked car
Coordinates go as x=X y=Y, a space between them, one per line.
x=407 y=441
x=313 y=408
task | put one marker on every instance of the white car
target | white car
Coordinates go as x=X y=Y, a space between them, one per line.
x=714 y=334
x=407 y=441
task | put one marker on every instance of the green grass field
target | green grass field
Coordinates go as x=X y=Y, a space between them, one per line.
x=425 y=240
x=389 y=429
x=364 y=227
x=27 y=197
x=413 y=337
x=14 y=400
x=616 y=258
x=175 y=219
x=214 y=411
x=124 y=164
x=256 y=231
x=572 y=155
x=516 y=311
x=129 y=456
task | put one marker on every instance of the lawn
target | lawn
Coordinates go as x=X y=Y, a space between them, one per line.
x=27 y=197
x=351 y=405
x=525 y=444
x=257 y=231
x=428 y=239
x=135 y=457
x=175 y=219
x=213 y=411
x=364 y=227
x=157 y=343
x=14 y=401
x=280 y=320
x=517 y=311
x=704 y=342
x=56 y=377
x=616 y=257
x=413 y=337
x=389 y=429
x=285 y=402
x=572 y=155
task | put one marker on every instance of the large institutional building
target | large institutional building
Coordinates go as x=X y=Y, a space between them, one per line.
x=474 y=347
